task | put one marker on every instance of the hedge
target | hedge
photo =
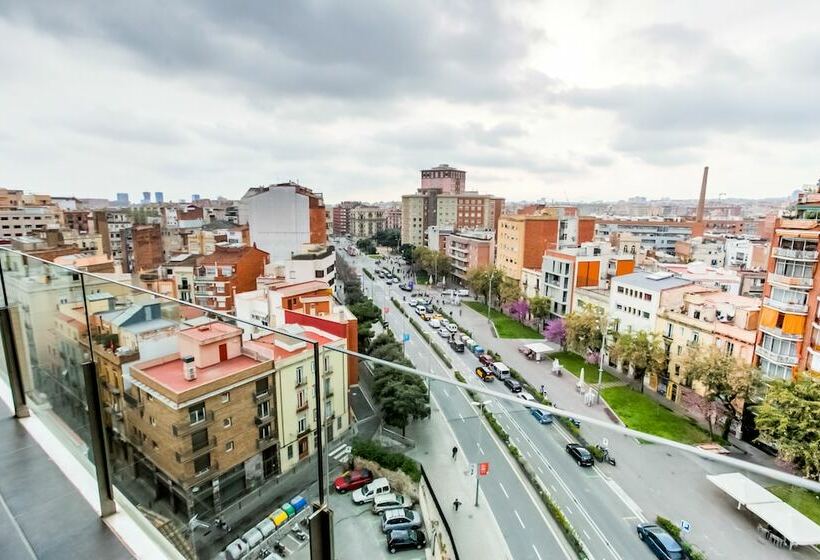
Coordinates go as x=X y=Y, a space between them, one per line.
x=367 y=273
x=691 y=552
x=388 y=459
x=432 y=344
x=398 y=306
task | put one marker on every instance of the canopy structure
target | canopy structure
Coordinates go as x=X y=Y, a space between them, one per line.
x=538 y=347
x=796 y=528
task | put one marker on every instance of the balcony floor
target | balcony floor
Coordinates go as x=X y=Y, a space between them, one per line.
x=42 y=515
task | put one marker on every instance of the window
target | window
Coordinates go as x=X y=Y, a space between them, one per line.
x=646 y=315
x=301 y=399
x=227 y=422
x=302 y=424
x=264 y=432
x=229 y=447
x=290 y=451
x=196 y=413
x=263 y=409
x=730 y=347
x=261 y=387
x=300 y=375
x=202 y=464
x=226 y=397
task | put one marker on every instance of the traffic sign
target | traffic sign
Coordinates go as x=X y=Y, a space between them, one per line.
x=386 y=310
x=471 y=469
x=483 y=469
x=685 y=526
x=405 y=337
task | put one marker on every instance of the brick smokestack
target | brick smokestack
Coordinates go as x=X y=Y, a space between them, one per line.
x=702 y=200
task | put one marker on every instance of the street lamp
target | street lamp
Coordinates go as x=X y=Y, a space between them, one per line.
x=604 y=334
x=490 y=297
x=481 y=405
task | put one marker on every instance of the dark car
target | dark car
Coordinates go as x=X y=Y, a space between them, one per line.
x=486 y=360
x=352 y=480
x=512 y=384
x=406 y=287
x=660 y=542
x=456 y=345
x=401 y=539
x=581 y=454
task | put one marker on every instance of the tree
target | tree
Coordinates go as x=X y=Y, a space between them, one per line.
x=643 y=351
x=365 y=311
x=388 y=237
x=432 y=262
x=584 y=329
x=556 y=332
x=789 y=417
x=366 y=246
x=406 y=251
x=540 y=309
x=478 y=279
x=508 y=290
x=403 y=398
x=728 y=382
x=520 y=309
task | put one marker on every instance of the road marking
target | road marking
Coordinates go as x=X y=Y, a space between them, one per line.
x=479 y=447
x=446 y=392
x=586 y=534
x=519 y=519
x=539 y=469
x=504 y=490
x=536 y=552
x=460 y=416
x=553 y=487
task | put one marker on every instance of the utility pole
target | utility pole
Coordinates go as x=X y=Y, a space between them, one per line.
x=490 y=296
x=604 y=334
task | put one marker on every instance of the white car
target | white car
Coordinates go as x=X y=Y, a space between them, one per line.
x=447 y=293
x=368 y=492
x=390 y=501
x=463 y=293
x=435 y=323
x=524 y=396
x=452 y=328
x=443 y=333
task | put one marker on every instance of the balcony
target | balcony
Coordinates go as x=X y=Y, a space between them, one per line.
x=798 y=308
x=776 y=357
x=203 y=476
x=778 y=333
x=264 y=443
x=790 y=281
x=132 y=402
x=328 y=370
x=794 y=254
x=304 y=432
x=261 y=420
x=187 y=427
x=302 y=407
x=192 y=454
x=301 y=381
x=259 y=397
x=328 y=392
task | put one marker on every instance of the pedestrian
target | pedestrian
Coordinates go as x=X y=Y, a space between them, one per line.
x=455 y=451
x=542 y=389
x=459 y=312
x=456 y=503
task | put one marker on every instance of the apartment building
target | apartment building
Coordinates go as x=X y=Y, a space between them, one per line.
x=142 y=248
x=19 y=221
x=393 y=218
x=203 y=241
x=522 y=239
x=181 y=271
x=226 y=272
x=745 y=252
x=341 y=216
x=788 y=340
x=723 y=279
x=366 y=221
x=202 y=419
x=282 y=218
x=698 y=249
x=470 y=249
x=295 y=397
x=591 y=265
x=466 y=210
x=444 y=178
x=636 y=298
x=654 y=235
x=711 y=318
x=116 y=224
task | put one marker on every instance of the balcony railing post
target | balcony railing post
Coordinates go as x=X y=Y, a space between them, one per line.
x=320 y=452
x=99 y=443
x=18 y=394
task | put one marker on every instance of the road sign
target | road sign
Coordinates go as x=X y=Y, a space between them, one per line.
x=405 y=337
x=471 y=469
x=386 y=310
x=483 y=469
x=685 y=526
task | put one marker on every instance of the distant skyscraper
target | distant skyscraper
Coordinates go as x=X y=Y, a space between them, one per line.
x=122 y=197
x=159 y=197
x=194 y=197
x=146 y=196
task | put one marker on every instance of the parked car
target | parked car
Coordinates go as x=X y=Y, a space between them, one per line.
x=402 y=518
x=660 y=542
x=443 y=333
x=420 y=309
x=402 y=539
x=528 y=353
x=390 y=501
x=426 y=316
x=484 y=374
x=542 y=416
x=452 y=327
x=463 y=293
x=366 y=493
x=352 y=480
x=485 y=360
x=478 y=350
x=525 y=396
x=435 y=323
x=447 y=293
x=457 y=345
x=500 y=370
x=580 y=454
x=406 y=287
x=512 y=384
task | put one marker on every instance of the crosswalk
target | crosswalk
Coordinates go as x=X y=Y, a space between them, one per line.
x=341 y=453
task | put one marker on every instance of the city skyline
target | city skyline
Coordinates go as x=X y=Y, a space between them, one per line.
x=541 y=101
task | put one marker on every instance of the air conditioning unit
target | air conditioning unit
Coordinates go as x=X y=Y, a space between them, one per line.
x=189 y=368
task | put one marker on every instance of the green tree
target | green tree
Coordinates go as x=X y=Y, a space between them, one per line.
x=403 y=398
x=406 y=251
x=584 y=329
x=727 y=381
x=508 y=291
x=789 y=417
x=478 y=279
x=388 y=237
x=643 y=351
x=540 y=307
x=366 y=246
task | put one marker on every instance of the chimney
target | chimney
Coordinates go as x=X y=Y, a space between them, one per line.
x=189 y=368
x=702 y=200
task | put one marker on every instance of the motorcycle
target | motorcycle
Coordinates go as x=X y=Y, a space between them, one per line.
x=607 y=457
x=280 y=549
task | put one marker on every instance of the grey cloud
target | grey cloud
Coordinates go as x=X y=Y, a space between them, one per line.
x=115 y=126
x=460 y=50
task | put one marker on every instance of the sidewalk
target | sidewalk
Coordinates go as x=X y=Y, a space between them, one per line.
x=475 y=531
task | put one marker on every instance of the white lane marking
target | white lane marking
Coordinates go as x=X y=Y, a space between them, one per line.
x=446 y=392
x=553 y=488
x=479 y=447
x=504 y=490
x=536 y=552
x=460 y=416
x=519 y=519
x=586 y=534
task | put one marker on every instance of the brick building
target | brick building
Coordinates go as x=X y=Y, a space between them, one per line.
x=142 y=248
x=226 y=272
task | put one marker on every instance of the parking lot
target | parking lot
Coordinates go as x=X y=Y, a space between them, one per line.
x=358 y=533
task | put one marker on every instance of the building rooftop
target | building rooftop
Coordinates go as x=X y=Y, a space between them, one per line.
x=280 y=347
x=652 y=281
x=211 y=332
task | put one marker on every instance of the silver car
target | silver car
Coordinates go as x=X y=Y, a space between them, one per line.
x=400 y=519
x=391 y=501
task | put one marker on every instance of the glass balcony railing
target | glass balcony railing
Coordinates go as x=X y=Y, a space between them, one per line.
x=786 y=307
x=507 y=465
x=791 y=281
x=794 y=254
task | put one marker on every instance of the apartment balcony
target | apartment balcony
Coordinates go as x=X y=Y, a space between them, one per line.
x=190 y=455
x=797 y=308
x=790 y=281
x=264 y=443
x=328 y=392
x=262 y=420
x=203 y=476
x=132 y=402
x=304 y=432
x=776 y=357
x=794 y=254
x=301 y=382
x=302 y=407
x=187 y=427
x=259 y=397
x=778 y=333
x=328 y=370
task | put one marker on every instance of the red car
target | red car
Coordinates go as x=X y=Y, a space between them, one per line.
x=485 y=360
x=352 y=480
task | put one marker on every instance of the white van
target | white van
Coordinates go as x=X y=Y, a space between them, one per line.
x=367 y=492
x=463 y=293
x=500 y=370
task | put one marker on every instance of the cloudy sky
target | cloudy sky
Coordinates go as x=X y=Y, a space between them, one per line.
x=561 y=100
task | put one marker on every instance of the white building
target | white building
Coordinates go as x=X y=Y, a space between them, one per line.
x=26 y=220
x=635 y=299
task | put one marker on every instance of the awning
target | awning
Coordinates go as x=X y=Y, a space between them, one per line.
x=797 y=529
x=538 y=347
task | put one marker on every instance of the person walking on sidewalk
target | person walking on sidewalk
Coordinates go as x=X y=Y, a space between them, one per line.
x=455 y=451
x=456 y=504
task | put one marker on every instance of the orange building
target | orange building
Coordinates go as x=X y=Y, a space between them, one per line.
x=226 y=272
